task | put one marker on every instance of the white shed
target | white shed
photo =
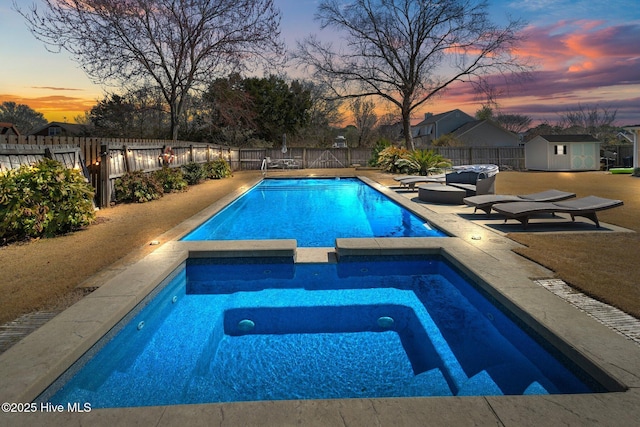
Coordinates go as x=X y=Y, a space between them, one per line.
x=562 y=153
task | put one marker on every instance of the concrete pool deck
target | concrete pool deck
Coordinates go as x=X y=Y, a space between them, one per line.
x=483 y=253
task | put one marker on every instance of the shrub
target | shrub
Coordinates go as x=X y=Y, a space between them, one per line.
x=423 y=162
x=387 y=159
x=137 y=187
x=194 y=173
x=217 y=169
x=380 y=145
x=46 y=199
x=171 y=179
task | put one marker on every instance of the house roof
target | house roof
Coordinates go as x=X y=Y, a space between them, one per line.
x=437 y=117
x=569 y=138
x=5 y=127
x=70 y=128
x=467 y=127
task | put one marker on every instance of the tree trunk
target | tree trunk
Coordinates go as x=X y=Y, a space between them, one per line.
x=406 y=126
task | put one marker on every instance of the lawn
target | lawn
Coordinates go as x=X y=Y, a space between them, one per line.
x=45 y=274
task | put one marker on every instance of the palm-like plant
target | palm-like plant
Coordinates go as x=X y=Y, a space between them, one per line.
x=423 y=162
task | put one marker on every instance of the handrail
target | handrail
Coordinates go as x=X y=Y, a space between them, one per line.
x=263 y=167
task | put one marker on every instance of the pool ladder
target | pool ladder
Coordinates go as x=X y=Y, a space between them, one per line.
x=263 y=167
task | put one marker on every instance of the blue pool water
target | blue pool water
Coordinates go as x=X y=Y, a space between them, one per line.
x=314 y=212
x=262 y=329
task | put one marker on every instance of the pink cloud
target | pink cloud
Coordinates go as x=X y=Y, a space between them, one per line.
x=575 y=58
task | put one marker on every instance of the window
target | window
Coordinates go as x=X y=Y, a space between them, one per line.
x=55 y=130
x=560 y=150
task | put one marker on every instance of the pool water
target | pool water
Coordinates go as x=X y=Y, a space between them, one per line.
x=230 y=330
x=314 y=212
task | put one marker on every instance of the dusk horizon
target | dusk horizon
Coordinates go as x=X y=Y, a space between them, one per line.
x=586 y=54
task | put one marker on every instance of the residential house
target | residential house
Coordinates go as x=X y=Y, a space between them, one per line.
x=472 y=132
x=435 y=125
x=486 y=133
x=61 y=129
x=562 y=153
x=636 y=144
x=8 y=129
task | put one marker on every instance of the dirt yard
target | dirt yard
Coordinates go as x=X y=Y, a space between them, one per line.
x=46 y=274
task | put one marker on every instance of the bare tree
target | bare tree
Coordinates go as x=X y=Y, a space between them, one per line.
x=176 y=44
x=409 y=51
x=593 y=120
x=365 y=119
x=516 y=123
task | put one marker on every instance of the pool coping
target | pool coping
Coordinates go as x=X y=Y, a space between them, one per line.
x=36 y=361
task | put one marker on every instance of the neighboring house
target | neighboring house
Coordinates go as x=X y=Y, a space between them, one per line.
x=340 y=142
x=61 y=129
x=8 y=129
x=435 y=125
x=472 y=132
x=486 y=133
x=636 y=143
x=562 y=153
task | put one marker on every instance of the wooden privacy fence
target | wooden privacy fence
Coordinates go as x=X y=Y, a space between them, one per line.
x=505 y=157
x=116 y=159
x=104 y=160
x=308 y=158
x=510 y=158
x=12 y=156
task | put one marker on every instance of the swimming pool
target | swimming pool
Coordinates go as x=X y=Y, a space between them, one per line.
x=238 y=329
x=314 y=211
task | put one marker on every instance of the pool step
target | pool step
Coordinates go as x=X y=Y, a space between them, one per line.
x=430 y=383
x=535 y=388
x=481 y=384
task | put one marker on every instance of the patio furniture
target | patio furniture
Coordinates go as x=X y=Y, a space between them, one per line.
x=482 y=184
x=485 y=202
x=585 y=207
x=465 y=174
x=412 y=181
x=438 y=193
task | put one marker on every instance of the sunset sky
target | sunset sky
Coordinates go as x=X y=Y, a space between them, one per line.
x=587 y=53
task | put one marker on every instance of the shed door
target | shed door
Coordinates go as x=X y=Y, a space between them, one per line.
x=582 y=157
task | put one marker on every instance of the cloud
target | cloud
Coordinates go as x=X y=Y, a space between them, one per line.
x=580 y=62
x=54 y=107
x=55 y=88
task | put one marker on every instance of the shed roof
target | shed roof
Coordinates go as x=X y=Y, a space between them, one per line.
x=570 y=138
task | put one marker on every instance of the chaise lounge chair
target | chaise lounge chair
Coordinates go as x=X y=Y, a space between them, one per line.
x=585 y=207
x=485 y=202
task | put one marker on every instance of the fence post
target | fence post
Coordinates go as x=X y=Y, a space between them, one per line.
x=127 y=159
x=104 y=186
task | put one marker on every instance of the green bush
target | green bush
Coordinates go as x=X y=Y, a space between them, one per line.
x=217 y=169
x=46 y=199
x=388 y=158
x=171 y=179
x=194 y=173
x=380 y=145
x=423 y=162
x=138 y=187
